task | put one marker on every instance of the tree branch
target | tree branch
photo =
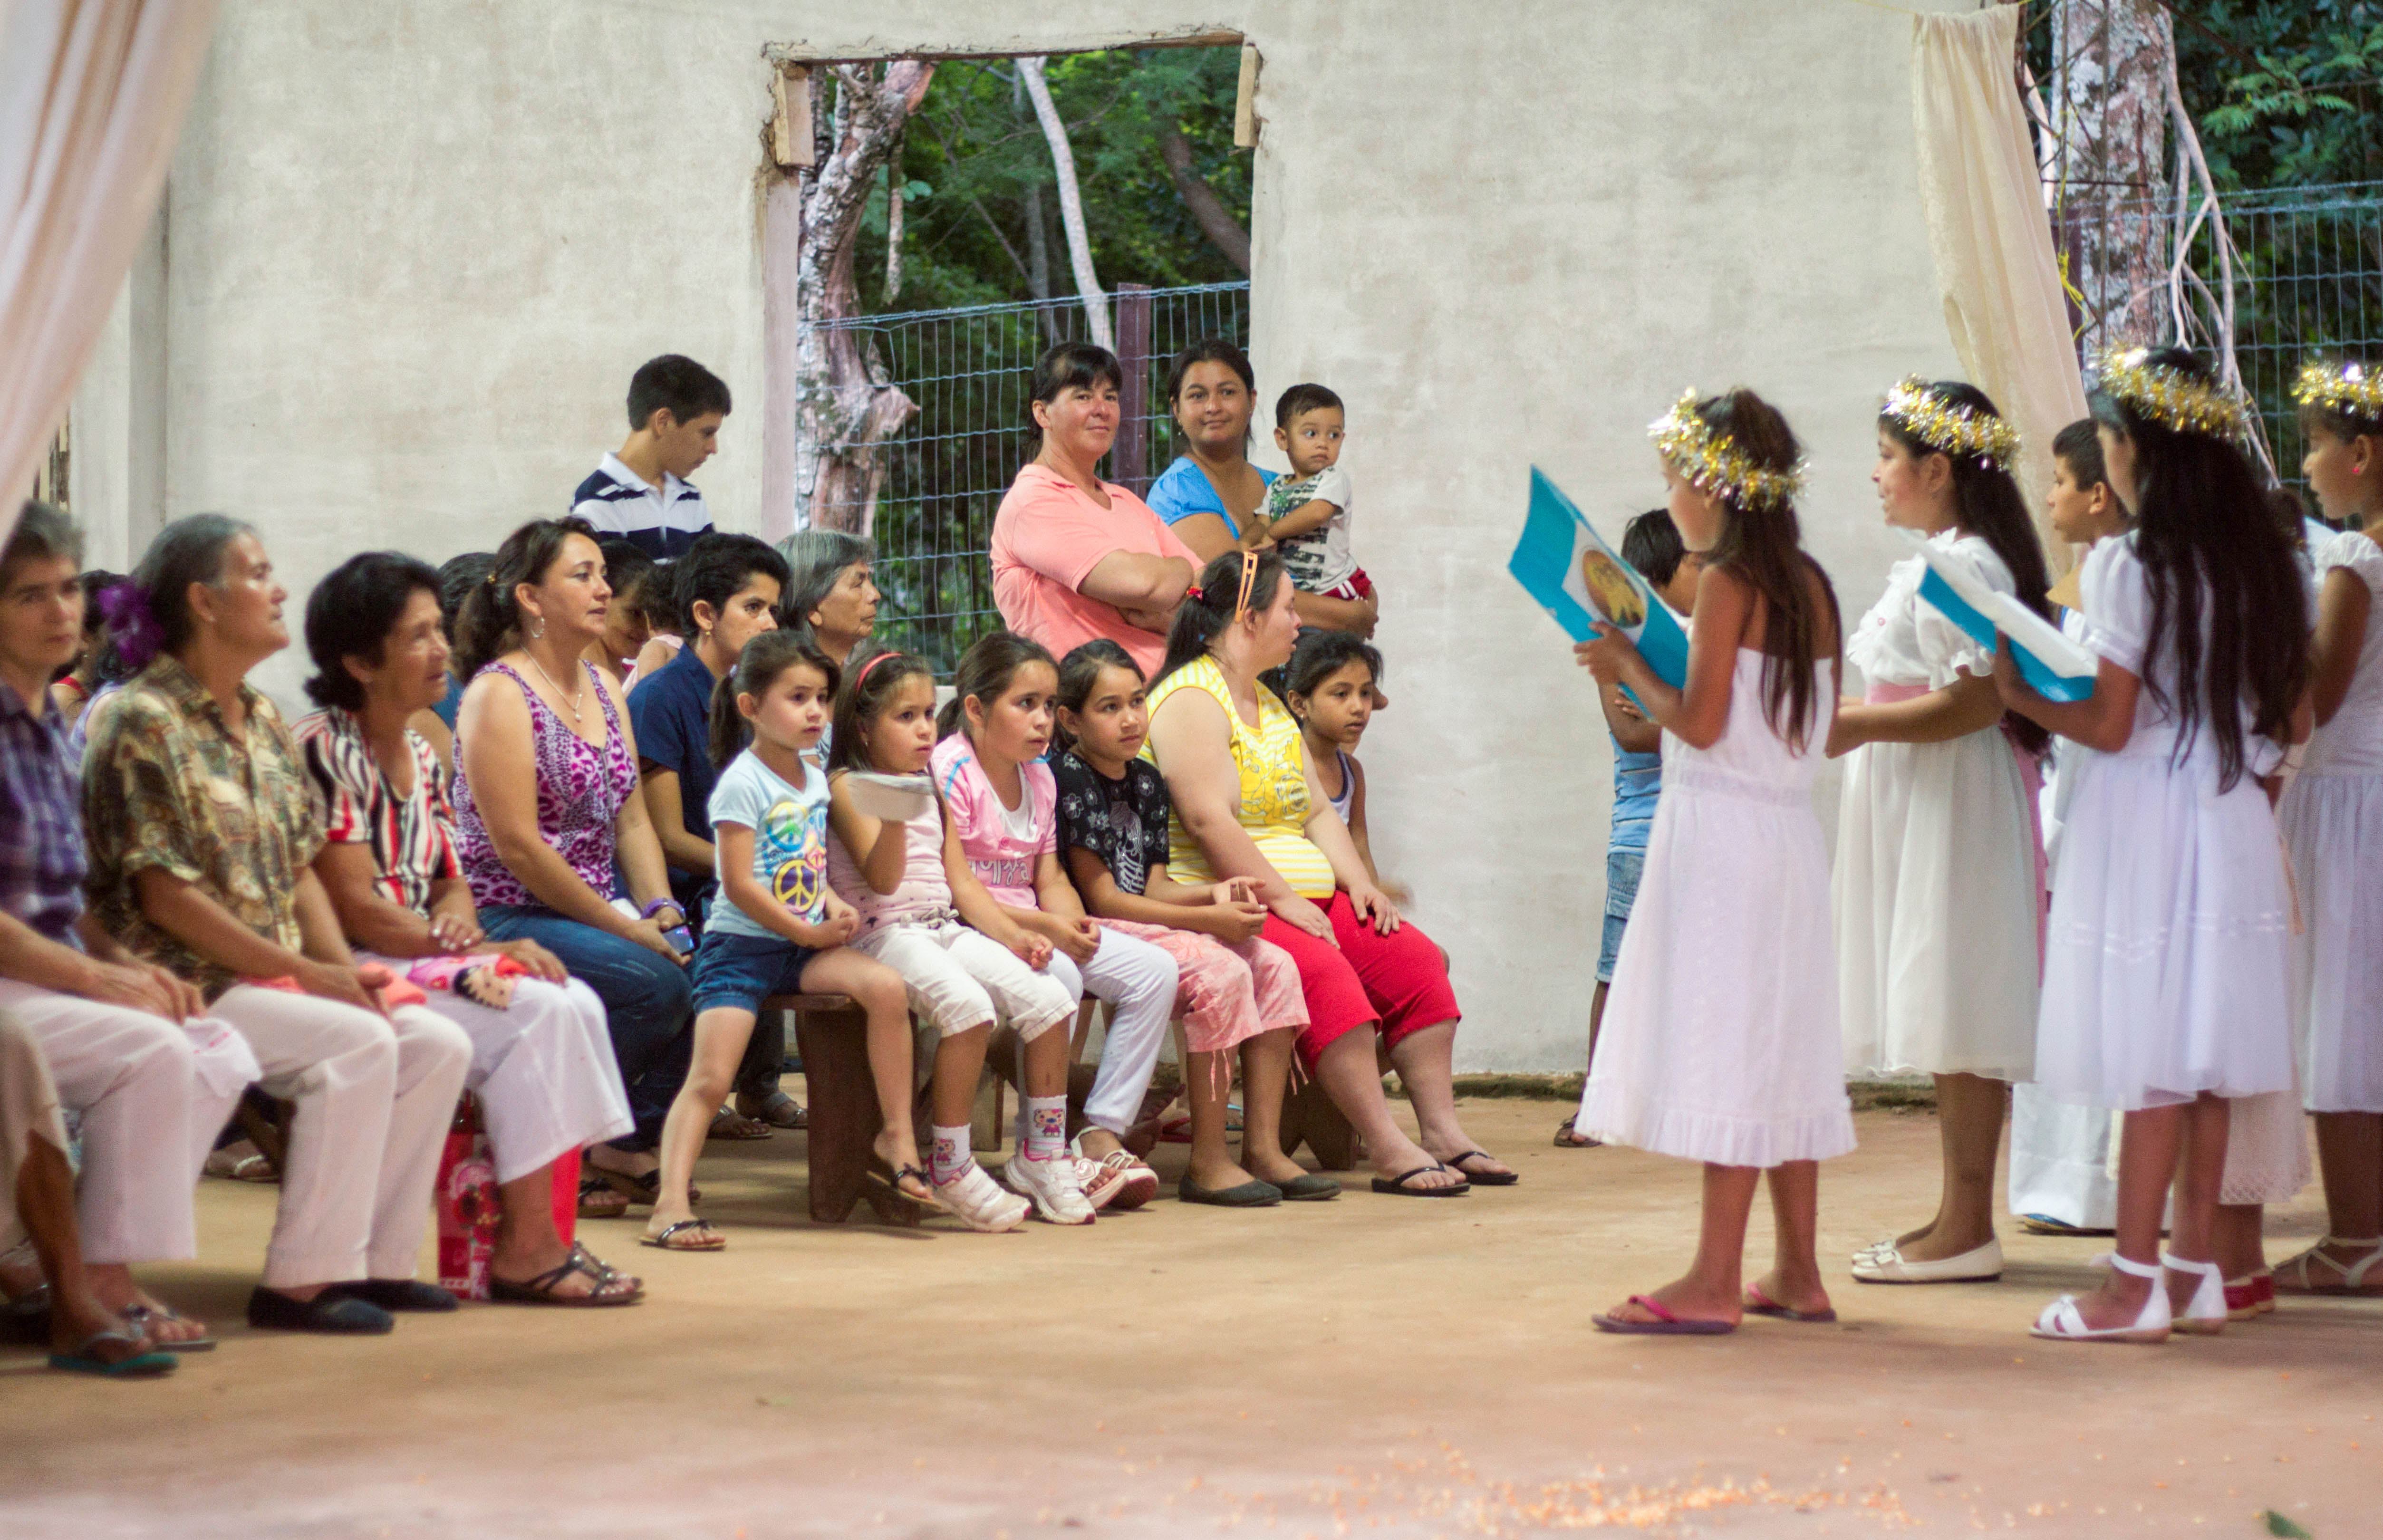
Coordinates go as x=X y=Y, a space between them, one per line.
x=1071 y=203
x=1207 y=210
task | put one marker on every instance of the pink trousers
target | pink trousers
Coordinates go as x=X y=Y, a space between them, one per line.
x=1227 y=994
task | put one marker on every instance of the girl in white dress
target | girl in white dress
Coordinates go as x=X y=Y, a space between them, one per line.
x=2166 y=983
x=1720 y=1037
x=2333 y=823
x=1939 y=887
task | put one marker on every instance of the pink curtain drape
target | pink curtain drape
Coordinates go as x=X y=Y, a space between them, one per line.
x=92 y=98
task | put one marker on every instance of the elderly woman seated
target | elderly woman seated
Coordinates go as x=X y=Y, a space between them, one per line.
x=541 y=1056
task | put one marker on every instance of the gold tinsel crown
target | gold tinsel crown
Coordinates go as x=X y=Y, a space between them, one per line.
x=1953 y=429
x=2344 y=388
x=2174 y=400
x=1715 y=465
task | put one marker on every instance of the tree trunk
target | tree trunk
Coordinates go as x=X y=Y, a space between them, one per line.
x=1071 y=203
x=847 y=403
x=2111 y=64
x=895 y=183
x=1207 y=210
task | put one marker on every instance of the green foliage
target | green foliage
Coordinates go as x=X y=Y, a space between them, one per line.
x=974 y=148
x=2283 y=92
x=2279 y=1525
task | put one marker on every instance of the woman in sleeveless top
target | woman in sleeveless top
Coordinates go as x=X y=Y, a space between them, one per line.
x=545 y=810
x=1246 y=803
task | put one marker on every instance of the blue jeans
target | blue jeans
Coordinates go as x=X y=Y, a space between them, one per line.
x=1622 y=869
x=647 y=1003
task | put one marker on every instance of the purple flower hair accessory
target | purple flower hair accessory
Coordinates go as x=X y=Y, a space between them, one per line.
x=131 y=624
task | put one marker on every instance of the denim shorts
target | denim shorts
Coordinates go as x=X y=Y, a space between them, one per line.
x=743 y=971
x=1622 y=869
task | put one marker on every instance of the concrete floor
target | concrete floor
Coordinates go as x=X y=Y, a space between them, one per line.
x=1376 y=1365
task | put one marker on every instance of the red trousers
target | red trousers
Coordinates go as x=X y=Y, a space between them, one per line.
x=1397 y=980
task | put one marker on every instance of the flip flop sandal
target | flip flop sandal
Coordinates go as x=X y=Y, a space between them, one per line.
x=608 y=1289
x=598 y=1201
x=646 y=1189
x=730 y=1123
x=781 y=1111
x=662 y=1242
x=1480 y=1178
x=1665 y=1324
x=140 y=1366
x=1568 y=1138
x=139 y=1318
x=891 y=1182
x=1396 y=1186
x=1760 y=1303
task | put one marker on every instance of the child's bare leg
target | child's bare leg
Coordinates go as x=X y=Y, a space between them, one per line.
x=959 y=1060
x=1969 y=1112
x=1713 y=1287
x=1567 y=1136
x=2237 y=1238
x=1266 y=1077
x=721 y=1034
x=1353 y=1081
x=1795 y=1276
x=1046 y=1062
x=2200 y=1172
x=878 y=989
x=2147 y=1154
x=1208 y=1084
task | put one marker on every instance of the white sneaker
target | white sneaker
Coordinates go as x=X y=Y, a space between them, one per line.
x=1118 y=1182
x=1058 y=1191
x=980 y=1203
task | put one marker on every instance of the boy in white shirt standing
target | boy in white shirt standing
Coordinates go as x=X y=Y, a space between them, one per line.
x=640 y=493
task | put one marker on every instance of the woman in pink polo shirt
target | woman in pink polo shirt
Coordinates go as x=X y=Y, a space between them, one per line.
x=1075 y=557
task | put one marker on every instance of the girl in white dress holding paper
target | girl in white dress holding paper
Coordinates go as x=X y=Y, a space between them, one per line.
x=1938 y=889
x=2166 y=984
x=1720 y=1038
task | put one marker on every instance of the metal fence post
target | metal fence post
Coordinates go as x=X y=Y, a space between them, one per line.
x=1129 y=458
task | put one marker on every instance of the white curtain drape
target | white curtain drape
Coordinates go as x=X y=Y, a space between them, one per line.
x=92 y=98
x=1987 y=228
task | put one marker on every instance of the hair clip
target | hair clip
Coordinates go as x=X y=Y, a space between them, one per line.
x=1248 y=575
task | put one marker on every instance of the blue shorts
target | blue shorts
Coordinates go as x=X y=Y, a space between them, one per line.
x=743 y=971
x=1622 y=869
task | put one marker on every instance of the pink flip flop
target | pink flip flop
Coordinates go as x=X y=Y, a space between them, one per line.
x=1760 y=1303
x=1665 y=1324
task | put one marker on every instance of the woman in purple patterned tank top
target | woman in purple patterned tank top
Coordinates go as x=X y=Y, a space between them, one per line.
x=546 y=811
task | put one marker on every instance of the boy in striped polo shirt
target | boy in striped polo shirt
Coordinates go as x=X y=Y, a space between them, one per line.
x=640 y=492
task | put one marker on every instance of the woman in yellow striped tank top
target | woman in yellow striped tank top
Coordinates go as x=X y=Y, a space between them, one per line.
x=1246 y=803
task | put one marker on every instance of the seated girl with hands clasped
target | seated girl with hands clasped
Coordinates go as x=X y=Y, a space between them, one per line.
x=778 y=928
x=1001 y=802
x=916 y=901
x=1238 y=993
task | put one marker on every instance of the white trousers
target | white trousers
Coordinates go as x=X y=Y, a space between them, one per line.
x=543 y=1070
x=957 y=978
x=2060 y=1159
x=1139 y=980
x=152 y=1094
x=374 y=1098
x=28 y=1110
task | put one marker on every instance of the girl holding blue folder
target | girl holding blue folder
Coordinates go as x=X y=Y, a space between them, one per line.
x=1939 y=887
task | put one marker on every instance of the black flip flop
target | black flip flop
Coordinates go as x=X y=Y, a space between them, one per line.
x=1396 y=1186
x=540 y=1289
x=891 y=1182
x=1494 y=1178
x=662 y=1242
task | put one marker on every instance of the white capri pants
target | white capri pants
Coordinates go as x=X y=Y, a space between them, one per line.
x=29 y=1111
x=543 y=1070
x=958 y=978
x=1139 y=980
x=375 y=1097
x=152 y=1094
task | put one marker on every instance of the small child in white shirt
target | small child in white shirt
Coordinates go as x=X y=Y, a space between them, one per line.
x=1307 y=512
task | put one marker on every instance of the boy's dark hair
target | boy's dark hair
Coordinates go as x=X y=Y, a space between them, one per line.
x=1322 y=654
x=490 y=622
x=675 y=384
x=1651 y=543
x=1068 y=367
x=984 y=672
x=758 y=667
x=350 y=613
x=457 y=577
x=2227 y=602
x=1304 y=398
x=2079 y=447
x=714 y=568
x=869 y=684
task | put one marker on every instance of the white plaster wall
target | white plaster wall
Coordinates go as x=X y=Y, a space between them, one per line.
x=418 y=245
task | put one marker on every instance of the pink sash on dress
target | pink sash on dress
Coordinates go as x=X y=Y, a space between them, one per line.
x=2031 y=775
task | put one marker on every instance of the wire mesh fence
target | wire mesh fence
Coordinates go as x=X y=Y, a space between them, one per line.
x=969 y=372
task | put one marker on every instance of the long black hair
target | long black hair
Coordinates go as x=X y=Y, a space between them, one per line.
x=2227 y=600
x=490 y=620
x=766 y=657
x=869 y=686
x=1763 y=545
x=984 y=672
x=1988 y=504
x=1207 y=608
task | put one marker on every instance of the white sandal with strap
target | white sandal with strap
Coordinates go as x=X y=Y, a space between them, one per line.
x=2205 y=1314
x=2062 y=1322
x=2292 y=1277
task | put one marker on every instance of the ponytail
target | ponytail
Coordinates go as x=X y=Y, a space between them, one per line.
x=1208 y=606
x=489 y=622
x=758 y=667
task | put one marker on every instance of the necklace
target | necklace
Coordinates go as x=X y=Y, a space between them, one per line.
x=574 y=703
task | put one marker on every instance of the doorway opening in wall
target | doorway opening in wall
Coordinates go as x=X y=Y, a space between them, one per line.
x=932 y=224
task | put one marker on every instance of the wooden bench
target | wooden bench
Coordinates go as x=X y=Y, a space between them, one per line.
x=831 y=1036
